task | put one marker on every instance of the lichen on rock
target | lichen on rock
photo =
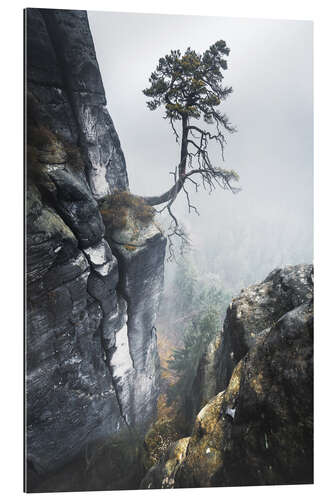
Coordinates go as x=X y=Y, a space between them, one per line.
x=84 y=380
x=259 y=430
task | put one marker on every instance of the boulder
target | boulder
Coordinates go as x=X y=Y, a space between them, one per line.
x=256 y=309
x=259 y=431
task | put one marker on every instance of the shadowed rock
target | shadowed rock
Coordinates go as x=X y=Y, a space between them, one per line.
x=83 y=383
x=259 y=430
x=256 y=309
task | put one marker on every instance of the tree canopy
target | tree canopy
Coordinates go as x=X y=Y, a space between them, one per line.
x=191 y=85
x=200 y=301
x=190 y=89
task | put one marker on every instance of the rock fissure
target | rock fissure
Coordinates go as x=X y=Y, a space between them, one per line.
x=83 y=339
x=259 y=429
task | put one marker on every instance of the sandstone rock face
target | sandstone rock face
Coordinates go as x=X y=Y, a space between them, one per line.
x=259 y=430
x=255 y=310
x=92 y=366
x=63 y=73
x=205 y=383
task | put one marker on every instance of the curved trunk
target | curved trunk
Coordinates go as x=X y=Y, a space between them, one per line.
x=174 y=190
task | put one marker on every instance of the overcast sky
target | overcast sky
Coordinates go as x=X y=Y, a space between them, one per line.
x=270 y=70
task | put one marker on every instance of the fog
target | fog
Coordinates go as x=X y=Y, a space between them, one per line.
x=242 y=237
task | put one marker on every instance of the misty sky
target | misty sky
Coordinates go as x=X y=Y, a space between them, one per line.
x=270 y=223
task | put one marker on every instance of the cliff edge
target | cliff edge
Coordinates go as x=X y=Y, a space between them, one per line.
x=92 y=367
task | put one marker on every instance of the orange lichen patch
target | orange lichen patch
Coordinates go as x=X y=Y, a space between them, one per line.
x=130 y=248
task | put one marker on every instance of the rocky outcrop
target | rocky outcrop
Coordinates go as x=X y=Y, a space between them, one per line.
x=91 y=358
x=162 y=475
x=205 y=384
x=255 y=310
x=259 y=430
x=62 y=71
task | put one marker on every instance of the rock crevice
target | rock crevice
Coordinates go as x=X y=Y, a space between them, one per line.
x=83 y=383
x=257 y=430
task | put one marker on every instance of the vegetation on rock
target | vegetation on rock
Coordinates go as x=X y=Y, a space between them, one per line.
x=200 y=304
x=116 y=208
x=45 y=146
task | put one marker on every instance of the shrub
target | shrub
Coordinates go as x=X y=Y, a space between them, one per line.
x=115 y=209
x=40 y=139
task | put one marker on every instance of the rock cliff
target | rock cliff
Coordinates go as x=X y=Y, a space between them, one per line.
x=259 y=429
x=92 y=366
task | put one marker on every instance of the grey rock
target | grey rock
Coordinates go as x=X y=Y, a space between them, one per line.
x=141 y=272
x=204 y=385
x=259 y=429
x=74 y=47
x=87 y=378
x=256 y=309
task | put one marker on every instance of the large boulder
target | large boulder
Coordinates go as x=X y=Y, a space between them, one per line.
x=255 y=310
x=259 y=429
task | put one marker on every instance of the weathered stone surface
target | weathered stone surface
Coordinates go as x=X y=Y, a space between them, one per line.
x=70 y=393
x=162 y=475
x=63 y=74
x=140 y=250
x=82 y=387
x=74 y=47
x=205 y=384
x=75 y=204
x=258 y=308
x=259 y=430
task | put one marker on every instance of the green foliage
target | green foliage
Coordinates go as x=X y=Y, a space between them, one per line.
x=190 y=85
x=185 y=360
x=202 y=301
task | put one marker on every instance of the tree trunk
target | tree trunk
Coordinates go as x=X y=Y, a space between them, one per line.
x=174 y=190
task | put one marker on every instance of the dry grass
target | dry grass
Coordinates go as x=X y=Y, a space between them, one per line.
x=41 y=140
x=115 y=210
